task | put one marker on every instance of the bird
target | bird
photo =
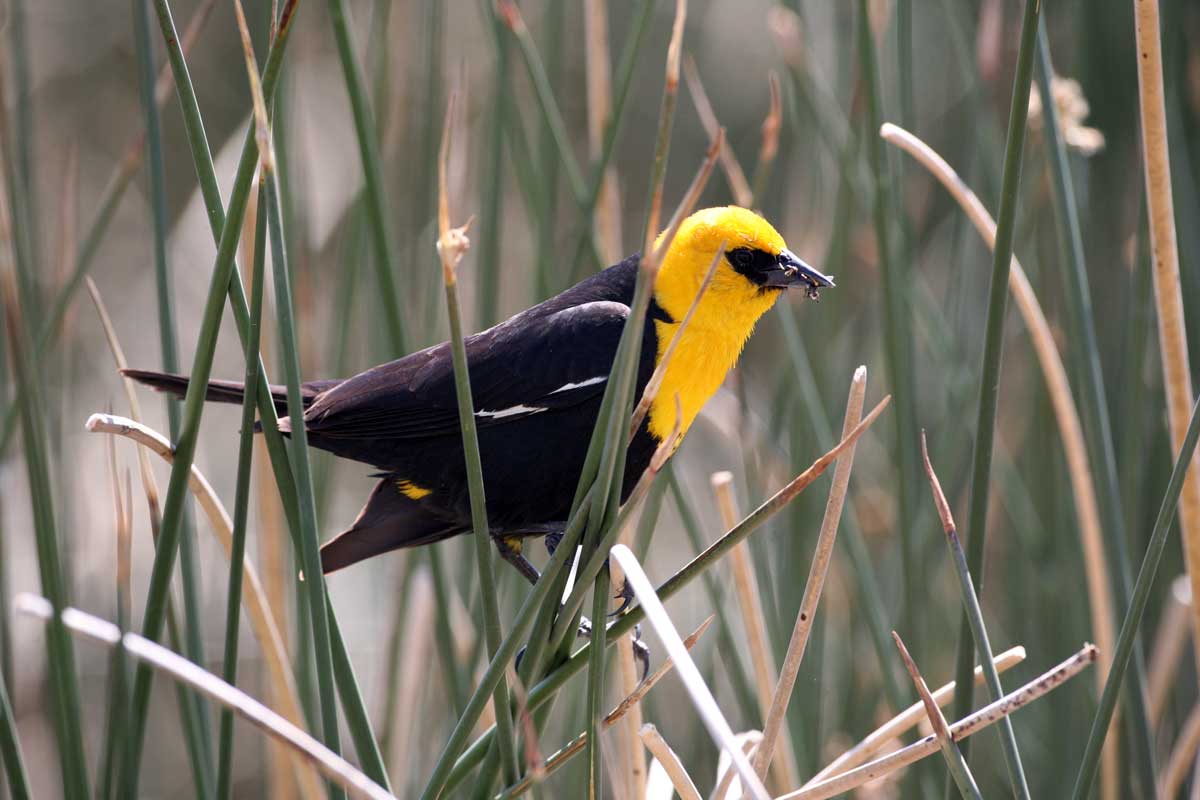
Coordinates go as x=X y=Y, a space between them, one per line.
x=537 y=381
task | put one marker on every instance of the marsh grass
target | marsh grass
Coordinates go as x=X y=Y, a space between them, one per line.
x=1058 y=449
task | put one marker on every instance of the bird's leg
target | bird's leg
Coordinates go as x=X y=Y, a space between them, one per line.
x=509 y=542
x=509 y=548
x=509 y=545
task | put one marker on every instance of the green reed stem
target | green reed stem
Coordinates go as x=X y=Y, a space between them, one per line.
x=595 y=696
x=622 y=81
x=352 y=701
x=604 y=465
x=1098 y=428
x=395 y=640
x=487 y=292
x=353 y=707
x=221 y=282
x=241 y=502
x=897 y=325
x=193 y=706
x=378 y=209
x=309 y=541
x=558 y=129
x=548 y=258
x=1008 y=738
x=64 y=691
x=456 y=688
x=993 y=347
x=1127 y=639
x=10 y=749
x=18 y=149
x=627 y=620
x=49 y=328
x=500 y=661
x=479 y=515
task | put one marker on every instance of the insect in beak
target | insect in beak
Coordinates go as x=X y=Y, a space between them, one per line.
x=791 y=272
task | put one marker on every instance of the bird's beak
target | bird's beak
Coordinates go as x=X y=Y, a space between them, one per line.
x=792 y=272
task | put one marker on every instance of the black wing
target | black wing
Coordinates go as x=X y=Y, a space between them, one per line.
x=537 y=361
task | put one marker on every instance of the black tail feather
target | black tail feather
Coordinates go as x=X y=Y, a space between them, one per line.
x=388 y=521
x=223 y=391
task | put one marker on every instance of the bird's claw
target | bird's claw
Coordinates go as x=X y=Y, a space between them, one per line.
x=641 y=652
x=625 y=595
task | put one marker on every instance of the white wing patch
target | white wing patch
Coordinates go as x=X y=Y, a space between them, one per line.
x=595 y=308
x=589 y=382
x=508 y=412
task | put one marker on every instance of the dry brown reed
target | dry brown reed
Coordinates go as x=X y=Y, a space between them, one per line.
x=816 y=580
x=766 y=675
x=1168 y=291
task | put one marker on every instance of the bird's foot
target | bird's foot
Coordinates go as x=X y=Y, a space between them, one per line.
x=625 y=595
x=641 y=652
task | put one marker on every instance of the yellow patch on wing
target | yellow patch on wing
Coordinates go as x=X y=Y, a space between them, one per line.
x=411 y=490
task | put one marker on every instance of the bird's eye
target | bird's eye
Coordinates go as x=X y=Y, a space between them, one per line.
x=742 y=257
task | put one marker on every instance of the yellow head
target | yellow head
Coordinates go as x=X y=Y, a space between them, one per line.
x=749 y=278
x=755 y=269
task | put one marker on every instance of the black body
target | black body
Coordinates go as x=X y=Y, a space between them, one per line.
x=534 y=379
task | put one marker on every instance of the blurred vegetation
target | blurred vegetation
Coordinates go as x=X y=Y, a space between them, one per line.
x=366 y=286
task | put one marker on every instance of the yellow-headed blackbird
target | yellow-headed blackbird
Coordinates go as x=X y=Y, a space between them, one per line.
x=537 y=381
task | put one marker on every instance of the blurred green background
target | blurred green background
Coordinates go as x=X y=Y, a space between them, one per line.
x=945 y=72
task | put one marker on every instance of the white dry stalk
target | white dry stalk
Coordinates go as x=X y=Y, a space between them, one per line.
x=988 y=715
x=331 y=764
x=702 y=697
x=725 y=773
x=753 y=619
x=816 y=580
x=685 y=787
x=907 y=719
